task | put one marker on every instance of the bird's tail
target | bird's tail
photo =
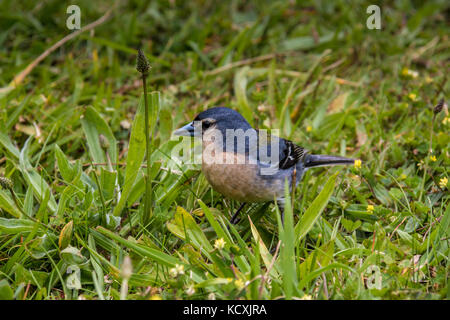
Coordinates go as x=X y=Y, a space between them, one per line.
x=319 y=160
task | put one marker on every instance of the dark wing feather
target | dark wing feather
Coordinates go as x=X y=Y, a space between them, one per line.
x=291 y=154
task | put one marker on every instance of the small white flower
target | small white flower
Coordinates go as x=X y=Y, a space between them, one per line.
x=190 y=290
x=212 y=296
x=127 y=268
x=177 y=270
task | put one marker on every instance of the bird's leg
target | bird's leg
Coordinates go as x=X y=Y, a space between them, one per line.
x=235 y=215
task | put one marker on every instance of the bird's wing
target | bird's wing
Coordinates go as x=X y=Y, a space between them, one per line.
x=289 y=153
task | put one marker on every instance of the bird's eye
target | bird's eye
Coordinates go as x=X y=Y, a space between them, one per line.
x=207 y=124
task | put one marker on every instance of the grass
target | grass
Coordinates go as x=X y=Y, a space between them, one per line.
x=73 y=224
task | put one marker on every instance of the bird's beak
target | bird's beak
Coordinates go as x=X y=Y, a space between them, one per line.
x=187 y=131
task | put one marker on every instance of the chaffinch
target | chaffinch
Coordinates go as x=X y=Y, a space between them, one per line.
x=247 y=164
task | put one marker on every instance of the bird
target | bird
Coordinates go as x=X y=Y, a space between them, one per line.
x=247 y=164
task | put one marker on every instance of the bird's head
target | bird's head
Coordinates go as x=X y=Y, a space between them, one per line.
x=218 y=118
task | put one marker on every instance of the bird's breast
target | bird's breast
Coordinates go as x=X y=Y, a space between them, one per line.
x=234 y=176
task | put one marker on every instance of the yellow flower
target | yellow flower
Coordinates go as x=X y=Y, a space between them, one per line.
x=428 y=79
x=405 y=71
x=370 y=208
x=306 y=297
x=358 y=164
x=402 y=176
x=239 y=284
x=95 y=55
x=446 y=120
x=433 y=158
x=409 y=73
x=219 y=244
x=308 y=129
x=443 y=182
x=412 y=96
x=155 y=297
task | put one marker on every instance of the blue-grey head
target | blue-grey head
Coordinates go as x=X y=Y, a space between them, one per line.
x=219 y=118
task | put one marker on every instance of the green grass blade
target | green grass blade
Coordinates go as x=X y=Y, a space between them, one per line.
x=136 y=153
x=315 y=210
